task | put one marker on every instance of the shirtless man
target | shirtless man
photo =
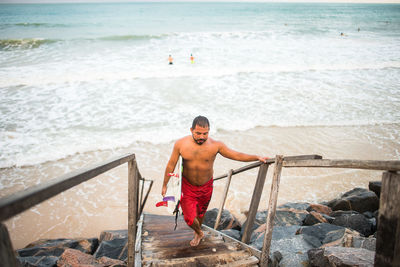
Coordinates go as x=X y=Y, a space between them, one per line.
x=198 y=153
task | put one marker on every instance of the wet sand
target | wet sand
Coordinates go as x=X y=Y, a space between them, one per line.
x=101 y=204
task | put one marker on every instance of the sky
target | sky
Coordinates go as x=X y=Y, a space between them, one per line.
x=93 y=1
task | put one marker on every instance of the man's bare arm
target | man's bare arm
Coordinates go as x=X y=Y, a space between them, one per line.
x=235 y=155
x=170 y=167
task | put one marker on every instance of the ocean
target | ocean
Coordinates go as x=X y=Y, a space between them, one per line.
x=83 y=82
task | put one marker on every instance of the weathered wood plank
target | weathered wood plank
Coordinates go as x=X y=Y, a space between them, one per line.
x=138 y=245
x=224 y=195
x=388 y=234
x=271 y=211
x=390 y=165
x=7 y=257
x=133 y=184
x=255 y=201
x=21 y=201
x=270 y=161
x=251 y=261
x=253 y=251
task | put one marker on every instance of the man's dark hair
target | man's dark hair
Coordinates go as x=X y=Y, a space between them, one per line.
x=201 y=121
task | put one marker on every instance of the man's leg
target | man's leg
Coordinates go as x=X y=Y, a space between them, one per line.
x=198 y=233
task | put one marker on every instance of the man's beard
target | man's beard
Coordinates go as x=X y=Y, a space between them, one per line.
x=199 y=141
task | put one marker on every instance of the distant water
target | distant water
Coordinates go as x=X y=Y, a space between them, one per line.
x=87 y=77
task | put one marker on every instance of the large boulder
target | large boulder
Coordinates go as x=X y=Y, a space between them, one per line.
x=292 y=247
x=323 y=209
x=283 y=217
x=37 y=261
x=73 y=257
x=357 y=199
x=375 y=187
x=232 y=233
x=364 y=242
x=227 y=221
x=314 y=218
x=353 y=220
x=116 y=248
x=295 y=205
x=341 y=257
x=316 y=234
x=112 y=234
x=55 y=247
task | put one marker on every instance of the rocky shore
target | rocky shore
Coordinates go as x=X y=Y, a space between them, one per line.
x=340 y=232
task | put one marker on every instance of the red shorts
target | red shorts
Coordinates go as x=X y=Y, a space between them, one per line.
x=195 y=199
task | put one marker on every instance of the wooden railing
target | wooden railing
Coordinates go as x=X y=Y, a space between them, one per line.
x=21 y=201
x=387 y=251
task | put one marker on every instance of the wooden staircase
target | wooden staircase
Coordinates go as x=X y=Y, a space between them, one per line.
x=162 y=246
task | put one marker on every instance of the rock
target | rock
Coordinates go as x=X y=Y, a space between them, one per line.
x=364 y=242
x=232 y=233
x=284 y=240
x=274 y=259
x=111 y=262
x=56 y=247
x=295 y=205
x=286 y=217
x=362 y=200
x=112 y=234
x=37 y=261
x=342 y=237
x=227 y=221
x=315 y=235
x=114 y=249
x=316 y=258
x=341 y=257
x=354 y=221
x=314 y=218
x=339 y=204
x=375 y=187
x=278 y=233
x=368 y=214
x=73 y=257
x=283 y=217
x=320 y=209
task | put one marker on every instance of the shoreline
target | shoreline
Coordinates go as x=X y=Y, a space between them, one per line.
x=102 y=202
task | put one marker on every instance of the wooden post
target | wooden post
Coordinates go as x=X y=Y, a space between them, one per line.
x=388 y=234
x=133 y=184
x=221 y=206
x=145 y=197
x=141 y=197
x=271 y=211
x=7 y=257
x=255 y=201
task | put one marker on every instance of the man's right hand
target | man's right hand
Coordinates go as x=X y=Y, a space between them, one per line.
x=164 y=190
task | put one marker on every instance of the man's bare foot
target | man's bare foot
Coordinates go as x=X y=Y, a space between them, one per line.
x=196 y=240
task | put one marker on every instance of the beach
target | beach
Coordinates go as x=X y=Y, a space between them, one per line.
x=101 y=203
x=81 y=83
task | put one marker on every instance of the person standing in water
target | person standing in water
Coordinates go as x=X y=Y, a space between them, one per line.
x=170 y=60
x=198 y=152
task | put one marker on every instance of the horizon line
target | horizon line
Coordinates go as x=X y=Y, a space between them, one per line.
x=199 y=1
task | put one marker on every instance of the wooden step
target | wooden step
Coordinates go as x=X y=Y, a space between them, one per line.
x=162 y=246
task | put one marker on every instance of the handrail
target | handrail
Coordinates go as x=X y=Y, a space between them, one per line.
x=21 y=201
x=298 y=161
x=269 y=161
x=382 y=165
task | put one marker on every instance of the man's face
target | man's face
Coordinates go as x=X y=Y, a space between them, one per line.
x=199 y=134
